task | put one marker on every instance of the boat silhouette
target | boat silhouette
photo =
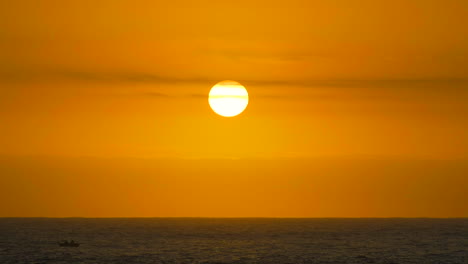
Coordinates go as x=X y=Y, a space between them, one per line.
x=66 y=243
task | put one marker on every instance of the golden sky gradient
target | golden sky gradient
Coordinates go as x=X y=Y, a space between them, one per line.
x=356 y=108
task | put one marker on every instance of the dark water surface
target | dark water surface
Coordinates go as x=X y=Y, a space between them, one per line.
x=275 y=241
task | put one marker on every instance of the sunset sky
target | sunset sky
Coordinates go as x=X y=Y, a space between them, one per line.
x=357 y=108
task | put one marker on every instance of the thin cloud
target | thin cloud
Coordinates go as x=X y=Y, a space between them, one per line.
x=141 y=77
x=395 y=89
x=89 y=76
x=155 y=94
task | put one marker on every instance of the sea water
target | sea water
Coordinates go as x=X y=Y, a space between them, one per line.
x=243 y=240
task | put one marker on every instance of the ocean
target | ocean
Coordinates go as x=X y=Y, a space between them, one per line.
x=234 y=240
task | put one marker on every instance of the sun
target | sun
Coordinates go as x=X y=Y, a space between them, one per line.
x=228 y=98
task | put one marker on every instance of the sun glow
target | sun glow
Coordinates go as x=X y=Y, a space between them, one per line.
x=228 y=98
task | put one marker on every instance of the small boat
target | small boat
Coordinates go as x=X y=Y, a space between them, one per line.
x=68 y=244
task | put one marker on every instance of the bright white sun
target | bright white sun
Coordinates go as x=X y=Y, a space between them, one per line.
x=228 y=98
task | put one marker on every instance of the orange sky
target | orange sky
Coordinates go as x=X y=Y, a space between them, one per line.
x=357 y=108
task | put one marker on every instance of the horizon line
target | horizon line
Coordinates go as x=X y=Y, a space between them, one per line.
x=230 y=217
